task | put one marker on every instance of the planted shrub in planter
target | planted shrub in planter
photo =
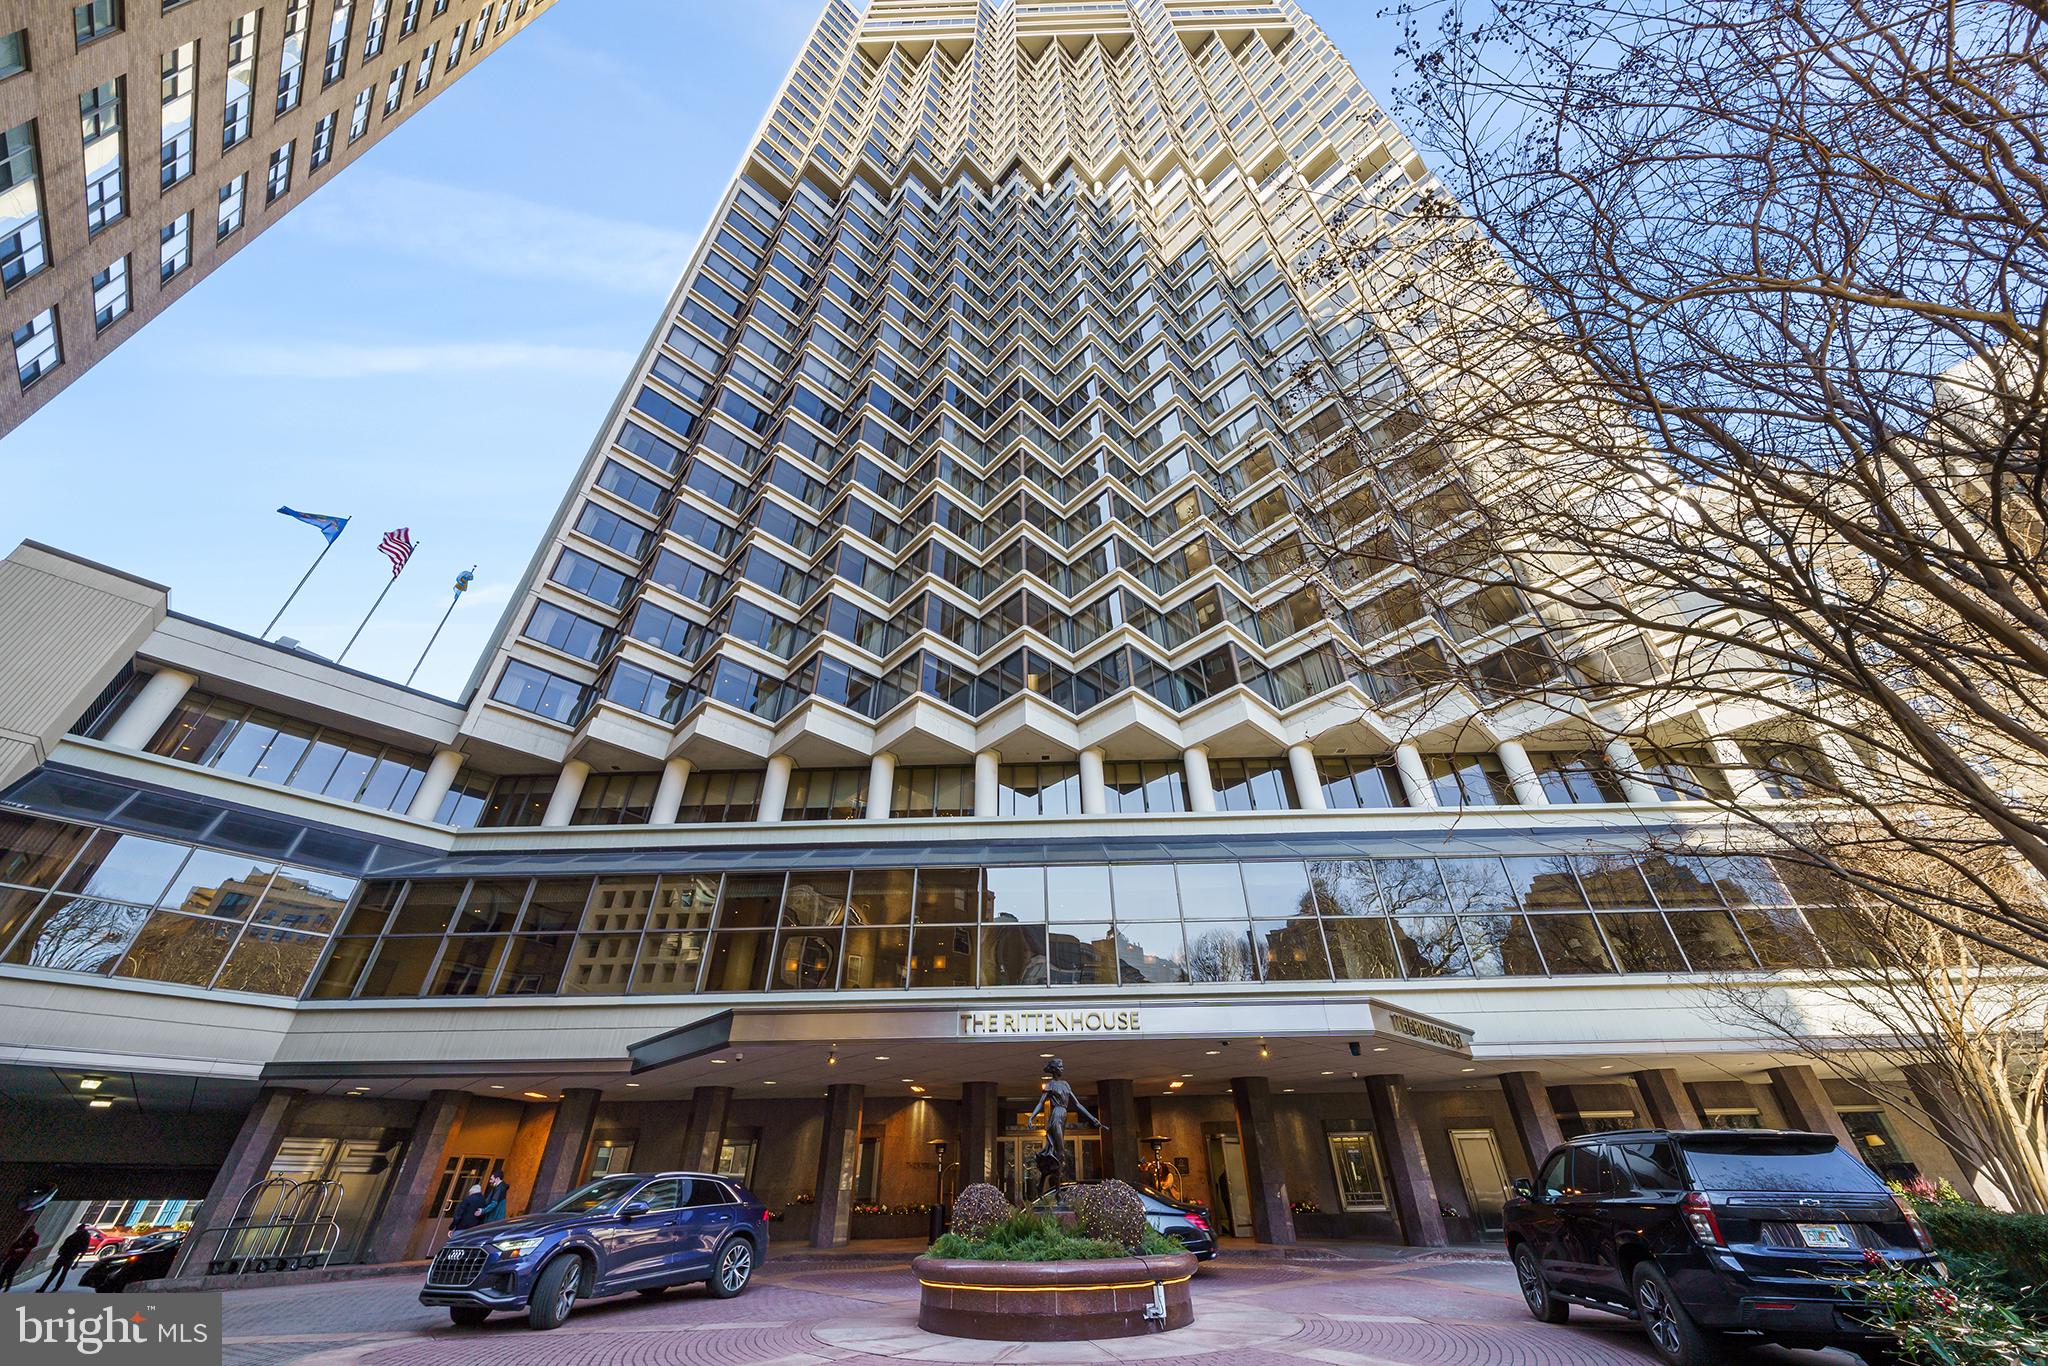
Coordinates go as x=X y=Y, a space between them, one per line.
x=1106 y=1287
x=1113 y=1212
x=978 y=1209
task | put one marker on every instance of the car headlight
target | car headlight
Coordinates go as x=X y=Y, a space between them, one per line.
x=516 y=1247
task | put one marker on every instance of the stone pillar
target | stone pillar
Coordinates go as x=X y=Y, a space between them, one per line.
x=412 y=1185
x=838 y=1165
x=1628 y=771
x=1937 y=1097
x=249 y=1158
x=151 y=707
x=568 y=787
x=1743 y=780
x=1201 y=788
x=775 y=787
x=1094 y=792
x=1535 y=1122
x=1665 y=1102
x=1308 y=784
x=988 y=790
x=978 y=1128
x=1528 y=788
x=1117 y=1107
x=1259 y=1137
x=426 y=803
x=561 y=1158
x=706 y=1129
x=1803 y=1096
x=881 y=785
x=1414 y=776
x=1412 y=1188
x=668 y=797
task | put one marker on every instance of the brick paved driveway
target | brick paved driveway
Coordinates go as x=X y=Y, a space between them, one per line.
x=807 y=1314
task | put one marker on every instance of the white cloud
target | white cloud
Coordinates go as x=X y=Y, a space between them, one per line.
x=348 y=360
x=488 y=233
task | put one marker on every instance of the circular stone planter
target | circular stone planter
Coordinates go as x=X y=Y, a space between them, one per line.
x=1116 y=1297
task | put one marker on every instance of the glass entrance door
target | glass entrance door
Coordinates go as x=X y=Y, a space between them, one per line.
x=1017 y=1166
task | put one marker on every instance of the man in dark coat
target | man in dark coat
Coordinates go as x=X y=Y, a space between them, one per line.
x=19 y=1251
x=494 y=1200
x=469 y=1211
x=70 y=1250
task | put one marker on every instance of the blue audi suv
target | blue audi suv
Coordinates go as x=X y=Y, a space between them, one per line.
x=642 y=1233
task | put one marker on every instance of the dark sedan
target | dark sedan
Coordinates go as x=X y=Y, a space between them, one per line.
x=619 y=1233
x=1184 y=1224
x=143 y=1258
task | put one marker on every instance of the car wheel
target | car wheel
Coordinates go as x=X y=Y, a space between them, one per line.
x=555 y=1291
x=467 y=1315
x=1535 y=1293
x=734 y=1269
x=1672 y=1332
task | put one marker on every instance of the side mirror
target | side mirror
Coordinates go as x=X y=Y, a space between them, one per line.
x=633 y=1210
x=1525 y=1188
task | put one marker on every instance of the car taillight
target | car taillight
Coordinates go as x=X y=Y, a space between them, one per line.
x=1920 y=1233
x=1699 y=1216
x=1199 y=1222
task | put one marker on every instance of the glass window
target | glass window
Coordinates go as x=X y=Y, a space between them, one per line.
x=1222 y=952
x=110 y=294
x=1431 y=946
x=1014 y=894
x=278 y=181
x=1013 y=955
x=239 y=98
x=174 y=247
x=23 y=251
x=36 y=352
x=428 y=908
x=1711 y=941
x=1410 y=886
x=1144 y=891
x=875 y=958
x=269 y=960
x=1571 y=944
x=1356 y=1160
x=1077 y=892
x=13 y=53
x=95 y=19
x=469 y=966
x=125 y=868
x=534 y=965
x=1212 y=891
x=180 y=67
x=323 y=140
x=947 y=896
x=291 y=63
x=187 y=949
x=78 y=934
x=99 y=119
x=1361 y=950
x=1501 y=945
x=942 y=956
x=1277 y=890
x=670 y=963
x=1641 y=941
x=1781 y=938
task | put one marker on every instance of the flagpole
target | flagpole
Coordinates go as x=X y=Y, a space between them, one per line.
x=373 y=611
x=295 y=592
x=432 y=638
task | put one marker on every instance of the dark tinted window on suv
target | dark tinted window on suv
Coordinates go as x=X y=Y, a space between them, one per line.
x=1556 y=1176
x=1649 y=1166
x=704 y=1192
x=1776 y=1164
x=660 y=1195
x=1599 y=1172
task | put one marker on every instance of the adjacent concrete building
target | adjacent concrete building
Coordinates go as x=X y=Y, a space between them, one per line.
x=142 y=142
x=919 y=680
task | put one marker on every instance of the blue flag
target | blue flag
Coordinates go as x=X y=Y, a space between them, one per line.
x=330 y=527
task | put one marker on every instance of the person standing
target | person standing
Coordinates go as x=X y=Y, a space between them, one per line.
x=19 y=1251
x=469 y=1211
x=70 y=1250
x=494 y=1200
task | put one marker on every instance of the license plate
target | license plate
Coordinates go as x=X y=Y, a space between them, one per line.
x=1830 y=1236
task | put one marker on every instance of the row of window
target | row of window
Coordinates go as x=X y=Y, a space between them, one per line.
x=1192 y=922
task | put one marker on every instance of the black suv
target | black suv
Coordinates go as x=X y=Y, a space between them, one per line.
x=1700 y=1232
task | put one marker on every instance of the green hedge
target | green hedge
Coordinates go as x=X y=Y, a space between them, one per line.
x=1029 y=1237
x=1985 y=1244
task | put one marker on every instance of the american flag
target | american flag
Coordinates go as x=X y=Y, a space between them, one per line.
x=397 y=548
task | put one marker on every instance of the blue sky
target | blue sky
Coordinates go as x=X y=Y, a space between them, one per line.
x=431 y=340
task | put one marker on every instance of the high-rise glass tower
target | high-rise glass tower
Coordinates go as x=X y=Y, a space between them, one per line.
x=922 y=677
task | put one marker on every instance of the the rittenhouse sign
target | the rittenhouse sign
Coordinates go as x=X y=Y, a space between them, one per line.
x=1079 y=1021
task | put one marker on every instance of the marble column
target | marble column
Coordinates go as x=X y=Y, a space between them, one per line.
x=1665 y=1102
x=668 y=797
x=249 y=1159
x=838 y=1165
x=1116 y=1106
x=412 y=1185
x=1744 y=781
x=1414 y=776
x=1522 y=774
x=988 y=790
x=1628 y=771
x=1094 y=793
x=1411 y=1187
x=979 y=1126
x=1803 y=1096
x=151 y=707
x=775 y=787
x=706 y=1129
x=561 y=1157
x=1308 y=784
x=1201 y=787
x=1535 y=1121
x=881 y=786
x=440 y=776
x=568 y=788
x=1264 y=1168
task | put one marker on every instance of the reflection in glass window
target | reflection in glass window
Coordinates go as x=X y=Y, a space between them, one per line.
x=1641 y=941
x=78 y=934
x=186 y=949
x=875 y=958
x=1221 y=953
x=1356 y=1160
x=1361 y=950
x=1351 y=784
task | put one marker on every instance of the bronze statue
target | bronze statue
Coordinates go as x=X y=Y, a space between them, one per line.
x=1055 y=1100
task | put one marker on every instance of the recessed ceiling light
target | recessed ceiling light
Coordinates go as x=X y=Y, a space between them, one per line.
x=90 y=1083
x=497 y=1086
x=99 y=1105
x=1328 y=1072
x=1468 y=1069
x=533 y=1095
x=1045 y=1055
x=1379 y=1048
x=719 y=1061
x=1188 y=1074
x=1287 y=1090
x=919 y=1090
x=881 y=1057
x=767 y=1083
x=1175 y=1085
x=1212 y=1053
x=1606 y=1067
